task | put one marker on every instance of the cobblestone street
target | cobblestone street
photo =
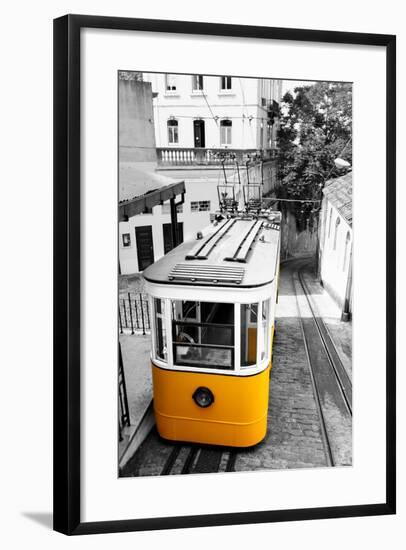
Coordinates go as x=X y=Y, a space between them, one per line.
x=294 y=437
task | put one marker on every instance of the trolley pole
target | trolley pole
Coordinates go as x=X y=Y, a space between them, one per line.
x=224 y=171
x=238 y=172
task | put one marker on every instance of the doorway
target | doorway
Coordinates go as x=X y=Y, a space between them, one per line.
x=199 y=134
x=168 y=235
x=145 y=246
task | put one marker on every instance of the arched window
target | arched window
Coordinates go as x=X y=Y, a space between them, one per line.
x=346 y=249
x=225 y=132
x=336 y=233
x=329 y=223
x=173 y=135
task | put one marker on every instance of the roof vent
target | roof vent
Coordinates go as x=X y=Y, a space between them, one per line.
x=209 y=274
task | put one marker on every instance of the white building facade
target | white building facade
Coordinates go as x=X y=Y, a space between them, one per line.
x=212 y=112
x=336 y=237
x=145 y=238
x=194 y=117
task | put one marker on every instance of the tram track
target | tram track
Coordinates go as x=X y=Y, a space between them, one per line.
x=334 y=357
x=199 y=460
x=160 y=457
x=331 y=384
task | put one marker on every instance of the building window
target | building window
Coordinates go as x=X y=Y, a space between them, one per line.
x=197 y=82
x=329 y=223
x=126 y=239
x=203 y=334
x=200 y=206
x=173 y=133
x=166 y=208
x=346 y=249
x=336 y=233
x=225 y=132
x=225 y=83
x=170 y=82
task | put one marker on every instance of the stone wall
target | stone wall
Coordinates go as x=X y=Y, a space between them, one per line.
x=136 y=122
x=294 y=242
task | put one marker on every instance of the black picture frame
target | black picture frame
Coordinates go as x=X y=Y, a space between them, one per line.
x=67 y=293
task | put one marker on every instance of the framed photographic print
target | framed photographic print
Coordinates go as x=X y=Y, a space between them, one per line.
x=224 y=269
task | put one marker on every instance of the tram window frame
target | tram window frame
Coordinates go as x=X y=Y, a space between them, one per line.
x=248 y=320
x=264 y=342
x=160 y=330
x=193 y=351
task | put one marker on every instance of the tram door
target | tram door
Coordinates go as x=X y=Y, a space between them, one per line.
x=145 y=246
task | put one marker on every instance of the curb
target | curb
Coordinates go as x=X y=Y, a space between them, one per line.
x=145 y=425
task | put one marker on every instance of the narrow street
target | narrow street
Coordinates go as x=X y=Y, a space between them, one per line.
x=308 y=423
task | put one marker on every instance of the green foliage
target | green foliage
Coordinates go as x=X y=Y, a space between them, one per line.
x=315 y=128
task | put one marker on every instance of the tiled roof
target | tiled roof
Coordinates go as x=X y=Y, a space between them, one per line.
x=338 y=191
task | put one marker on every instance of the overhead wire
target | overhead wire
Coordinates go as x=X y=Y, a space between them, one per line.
x=208 y=106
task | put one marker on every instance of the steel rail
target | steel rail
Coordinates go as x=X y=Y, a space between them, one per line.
x=323 y=429
x=200 y=458
x=341 y=374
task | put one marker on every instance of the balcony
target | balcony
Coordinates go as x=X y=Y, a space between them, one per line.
x=196 y=156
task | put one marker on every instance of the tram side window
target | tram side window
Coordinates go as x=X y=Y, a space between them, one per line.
x=265 y=328
x=161 y=340
x=249 y=323
x=203 y=334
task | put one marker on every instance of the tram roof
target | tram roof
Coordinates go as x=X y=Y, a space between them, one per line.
x=238 y=252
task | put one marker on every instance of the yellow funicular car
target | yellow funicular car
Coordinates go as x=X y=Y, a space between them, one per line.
x=213 y=302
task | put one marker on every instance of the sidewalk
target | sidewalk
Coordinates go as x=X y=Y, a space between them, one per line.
x=329 y=311
x=137 y=370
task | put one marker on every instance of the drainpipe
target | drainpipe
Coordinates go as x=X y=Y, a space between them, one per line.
x=174 y=223
x=346 y=313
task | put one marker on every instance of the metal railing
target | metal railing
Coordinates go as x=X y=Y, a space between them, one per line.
x=200 y=156
x=124 y=411
x=133 y=313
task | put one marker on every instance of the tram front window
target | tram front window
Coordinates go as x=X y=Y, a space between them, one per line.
x=203 y=334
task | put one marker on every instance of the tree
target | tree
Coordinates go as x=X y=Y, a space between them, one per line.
x=315 y=128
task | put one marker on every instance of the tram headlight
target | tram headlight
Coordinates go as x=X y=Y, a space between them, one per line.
x=203 y=397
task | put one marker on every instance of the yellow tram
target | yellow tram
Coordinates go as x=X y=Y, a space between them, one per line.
x=213 y=302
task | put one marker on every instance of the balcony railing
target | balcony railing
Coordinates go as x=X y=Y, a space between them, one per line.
x=199 y=156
